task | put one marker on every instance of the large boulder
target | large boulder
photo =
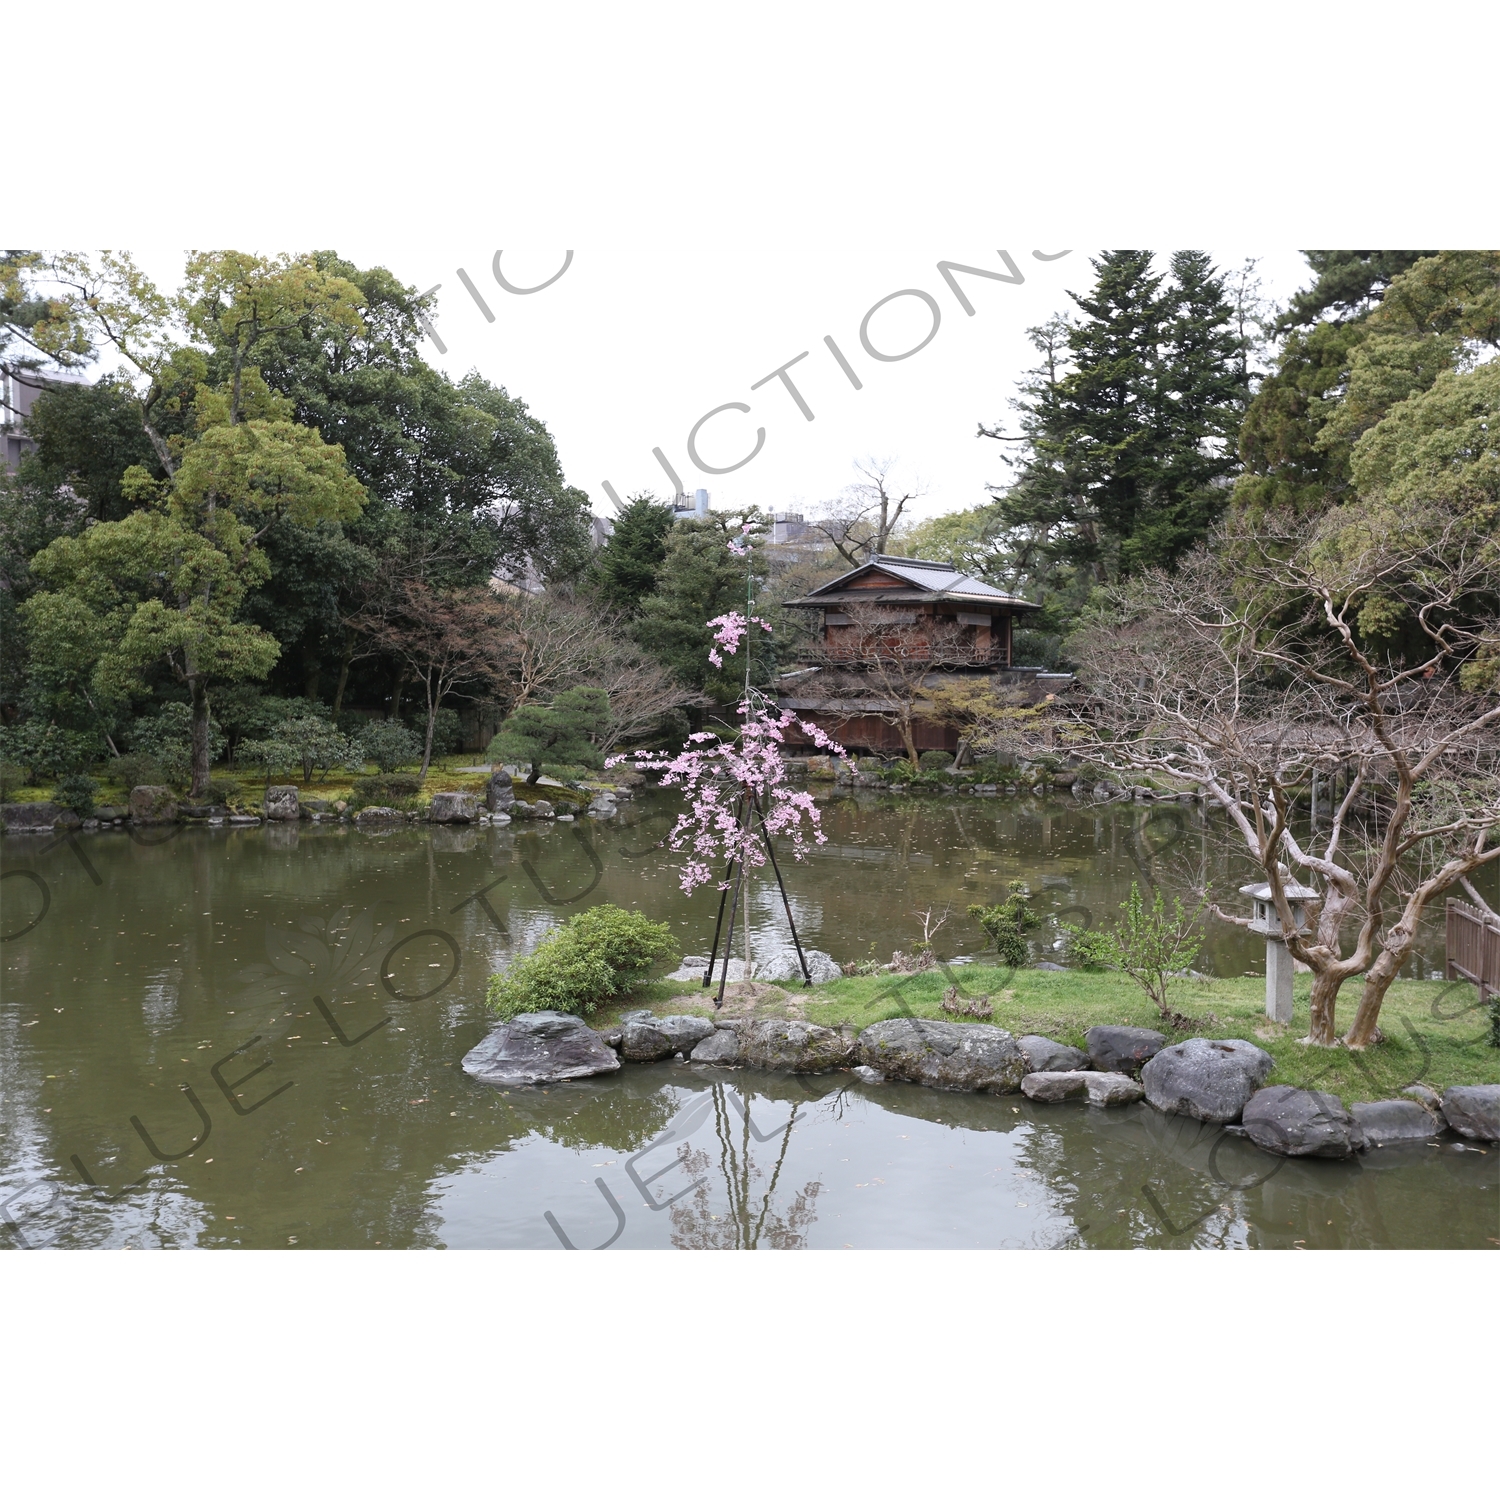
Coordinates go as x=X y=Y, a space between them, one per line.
x=545 y=1046
x=29 y=817
x=1473 y=1109
x=500 y=792
x=1122 y=1049
x=795 y=1046
x=945 y=1055
x=1388 y=1122
x=603 y=806
x=781 y=967
x=1300 y=1122
x=1102 y=1089
x=1205 y=1080
x=153 y=804
x=650 y=1038
x=722 y=1046
x=453 y=807
x=378 y=817
x=1043 y=1055
x=282 y=805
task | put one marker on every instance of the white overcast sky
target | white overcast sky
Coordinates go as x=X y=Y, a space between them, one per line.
x=625 y=351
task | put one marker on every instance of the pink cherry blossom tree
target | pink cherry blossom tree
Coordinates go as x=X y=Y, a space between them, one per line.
x=737 y=791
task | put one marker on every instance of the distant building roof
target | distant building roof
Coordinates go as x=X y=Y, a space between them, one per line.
x=919 y=579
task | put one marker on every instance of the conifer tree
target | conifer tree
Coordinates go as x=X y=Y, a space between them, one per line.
x=629 y=561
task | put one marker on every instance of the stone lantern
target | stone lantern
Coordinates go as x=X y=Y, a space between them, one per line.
x=1267 y=921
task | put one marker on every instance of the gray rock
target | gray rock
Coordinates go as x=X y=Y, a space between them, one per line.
x=499 y=793
x=376 y=816
x=453 y=807
x=153 y=804
x=520 y=811
x=1205 y=1080
x=1122 y=1049
x=693 y=969
x=1389 y=1121
x=1429 y=1097
x=781 y=967
x=721 y=1046
x=29 y=817
x=795 y=1046
x=945 y=1055
x=541 y=808
x=1101 y=1089
x=282 y=804
x=603 y=806
x=868 y=1075
x=1050 y=967
x=1473 y=1110
x=1052 y=1087
x=543 y=1047
x=1112 y=1088
x=1043 y=1055
x=111 y=814
x=650 y=1038
x=1300 y=1122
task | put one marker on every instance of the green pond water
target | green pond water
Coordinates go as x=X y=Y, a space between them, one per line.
x=251 y=1037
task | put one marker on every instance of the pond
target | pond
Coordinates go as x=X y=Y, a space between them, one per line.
x=250 y=1036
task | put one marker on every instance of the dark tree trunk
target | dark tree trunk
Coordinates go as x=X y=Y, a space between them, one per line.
x=344 y=660
x=199 y=788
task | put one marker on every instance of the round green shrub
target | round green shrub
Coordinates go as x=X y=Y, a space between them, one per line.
x=593 y=957
x=76 y=793
x=934 y=760
x=390 y=744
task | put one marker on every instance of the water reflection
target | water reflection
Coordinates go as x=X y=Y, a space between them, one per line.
x=274 y=975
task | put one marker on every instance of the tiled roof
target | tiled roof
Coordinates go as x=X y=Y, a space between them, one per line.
x=920 y=574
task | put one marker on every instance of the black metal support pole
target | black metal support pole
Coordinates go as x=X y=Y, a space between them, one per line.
x=708 y=973
x=734 y=906
x=765 y=833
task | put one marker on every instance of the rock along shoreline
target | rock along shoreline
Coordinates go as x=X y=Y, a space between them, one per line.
x=1217 y=1082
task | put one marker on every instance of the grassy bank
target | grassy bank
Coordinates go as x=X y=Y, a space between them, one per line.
x=1435 y=1033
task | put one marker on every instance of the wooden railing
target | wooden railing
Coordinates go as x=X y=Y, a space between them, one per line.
x=1473 y=940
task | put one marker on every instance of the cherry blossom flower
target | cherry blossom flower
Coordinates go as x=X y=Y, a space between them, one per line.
x=725 y=780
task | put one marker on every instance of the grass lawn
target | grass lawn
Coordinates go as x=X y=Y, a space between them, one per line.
x=1436 y=1033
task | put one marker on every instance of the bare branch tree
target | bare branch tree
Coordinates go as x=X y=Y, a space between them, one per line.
x=861 y=521
x=455 y=644
x=1257 y=676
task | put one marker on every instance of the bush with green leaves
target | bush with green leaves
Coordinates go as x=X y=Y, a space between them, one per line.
x=389 y=743
x=1151 y=944
x=221 y=792
x=447 y=732
x=318 y=745
x=45 y=751
x=76 y=793
x=395 y=790
x=135 y=770
x=166 y=739
x=593 y=958
x=934 y=760
x=1007 y=923
x=271 y=757
x=12 y=779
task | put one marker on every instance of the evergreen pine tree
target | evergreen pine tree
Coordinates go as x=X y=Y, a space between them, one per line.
x=1126 y=454
x=628 y=562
